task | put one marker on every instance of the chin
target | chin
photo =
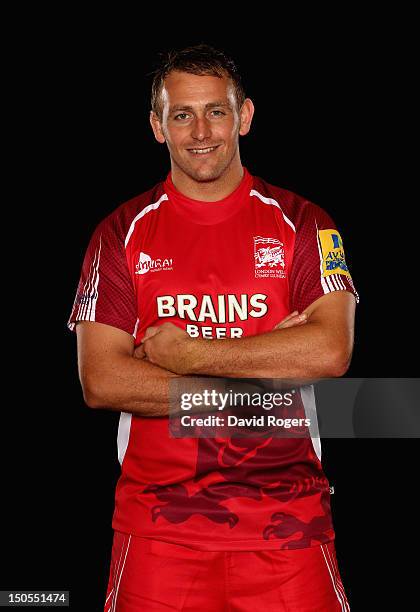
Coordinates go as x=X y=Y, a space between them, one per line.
x=207 y=173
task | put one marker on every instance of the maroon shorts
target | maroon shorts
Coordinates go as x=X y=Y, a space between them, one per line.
x=152 y=576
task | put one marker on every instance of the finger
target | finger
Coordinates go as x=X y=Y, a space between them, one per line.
x=150 y=332
x=140 y=353
x=292 y=321
x=289 y=316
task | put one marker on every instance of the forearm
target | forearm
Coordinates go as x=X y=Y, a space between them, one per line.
x=142 y=388
x=298 y=352
x=128 y=384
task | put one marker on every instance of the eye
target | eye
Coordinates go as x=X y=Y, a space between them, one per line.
x=182 y=115
x=219 y=112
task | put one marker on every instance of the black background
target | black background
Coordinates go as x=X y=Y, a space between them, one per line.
x=330 y=109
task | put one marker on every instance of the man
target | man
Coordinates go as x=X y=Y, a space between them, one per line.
x=205 y=274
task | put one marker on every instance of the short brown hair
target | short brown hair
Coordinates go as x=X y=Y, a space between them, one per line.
x=200 y=59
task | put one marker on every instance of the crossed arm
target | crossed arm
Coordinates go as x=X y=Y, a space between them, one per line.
x=116 y=376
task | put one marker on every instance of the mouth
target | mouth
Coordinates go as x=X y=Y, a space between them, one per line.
x=202 y=151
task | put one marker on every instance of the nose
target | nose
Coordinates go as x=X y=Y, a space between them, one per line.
x=201 y=128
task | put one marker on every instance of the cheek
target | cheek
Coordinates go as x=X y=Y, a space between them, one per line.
x=181 y=140
x=174 y=137
x=231 y=131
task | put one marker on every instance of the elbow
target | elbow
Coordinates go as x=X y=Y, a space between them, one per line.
x=338 y=364
x=92 y=392
x=92 y=400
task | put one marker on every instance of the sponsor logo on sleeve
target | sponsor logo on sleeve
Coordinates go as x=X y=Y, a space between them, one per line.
x=333 y=258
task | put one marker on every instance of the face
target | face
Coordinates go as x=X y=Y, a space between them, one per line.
x=201 y=124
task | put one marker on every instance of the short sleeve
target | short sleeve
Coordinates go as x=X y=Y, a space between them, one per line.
x=105 y=292
x=319 y=264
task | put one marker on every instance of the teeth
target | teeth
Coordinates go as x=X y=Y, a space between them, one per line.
x=200 y=151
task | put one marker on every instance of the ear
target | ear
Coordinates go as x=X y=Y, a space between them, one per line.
x=156 y=127
x=246 y=114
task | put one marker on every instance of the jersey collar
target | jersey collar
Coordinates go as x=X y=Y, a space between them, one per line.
x=209 y=213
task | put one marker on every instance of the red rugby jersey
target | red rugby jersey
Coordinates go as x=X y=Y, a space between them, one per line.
x=233 y=267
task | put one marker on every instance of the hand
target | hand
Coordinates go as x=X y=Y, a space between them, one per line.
x=139 y=352
x=166 y=346
x=292 y=320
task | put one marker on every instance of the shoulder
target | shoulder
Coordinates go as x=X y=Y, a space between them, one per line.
x=296 y=208
x=121 y=220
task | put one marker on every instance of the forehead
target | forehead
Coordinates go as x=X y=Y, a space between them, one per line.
x=189 y=89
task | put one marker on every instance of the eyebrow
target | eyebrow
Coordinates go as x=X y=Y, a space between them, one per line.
x=178 y=107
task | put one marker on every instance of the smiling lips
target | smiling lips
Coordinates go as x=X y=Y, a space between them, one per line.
x=203 y=151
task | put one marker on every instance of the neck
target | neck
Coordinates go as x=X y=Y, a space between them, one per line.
x=208 y=191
